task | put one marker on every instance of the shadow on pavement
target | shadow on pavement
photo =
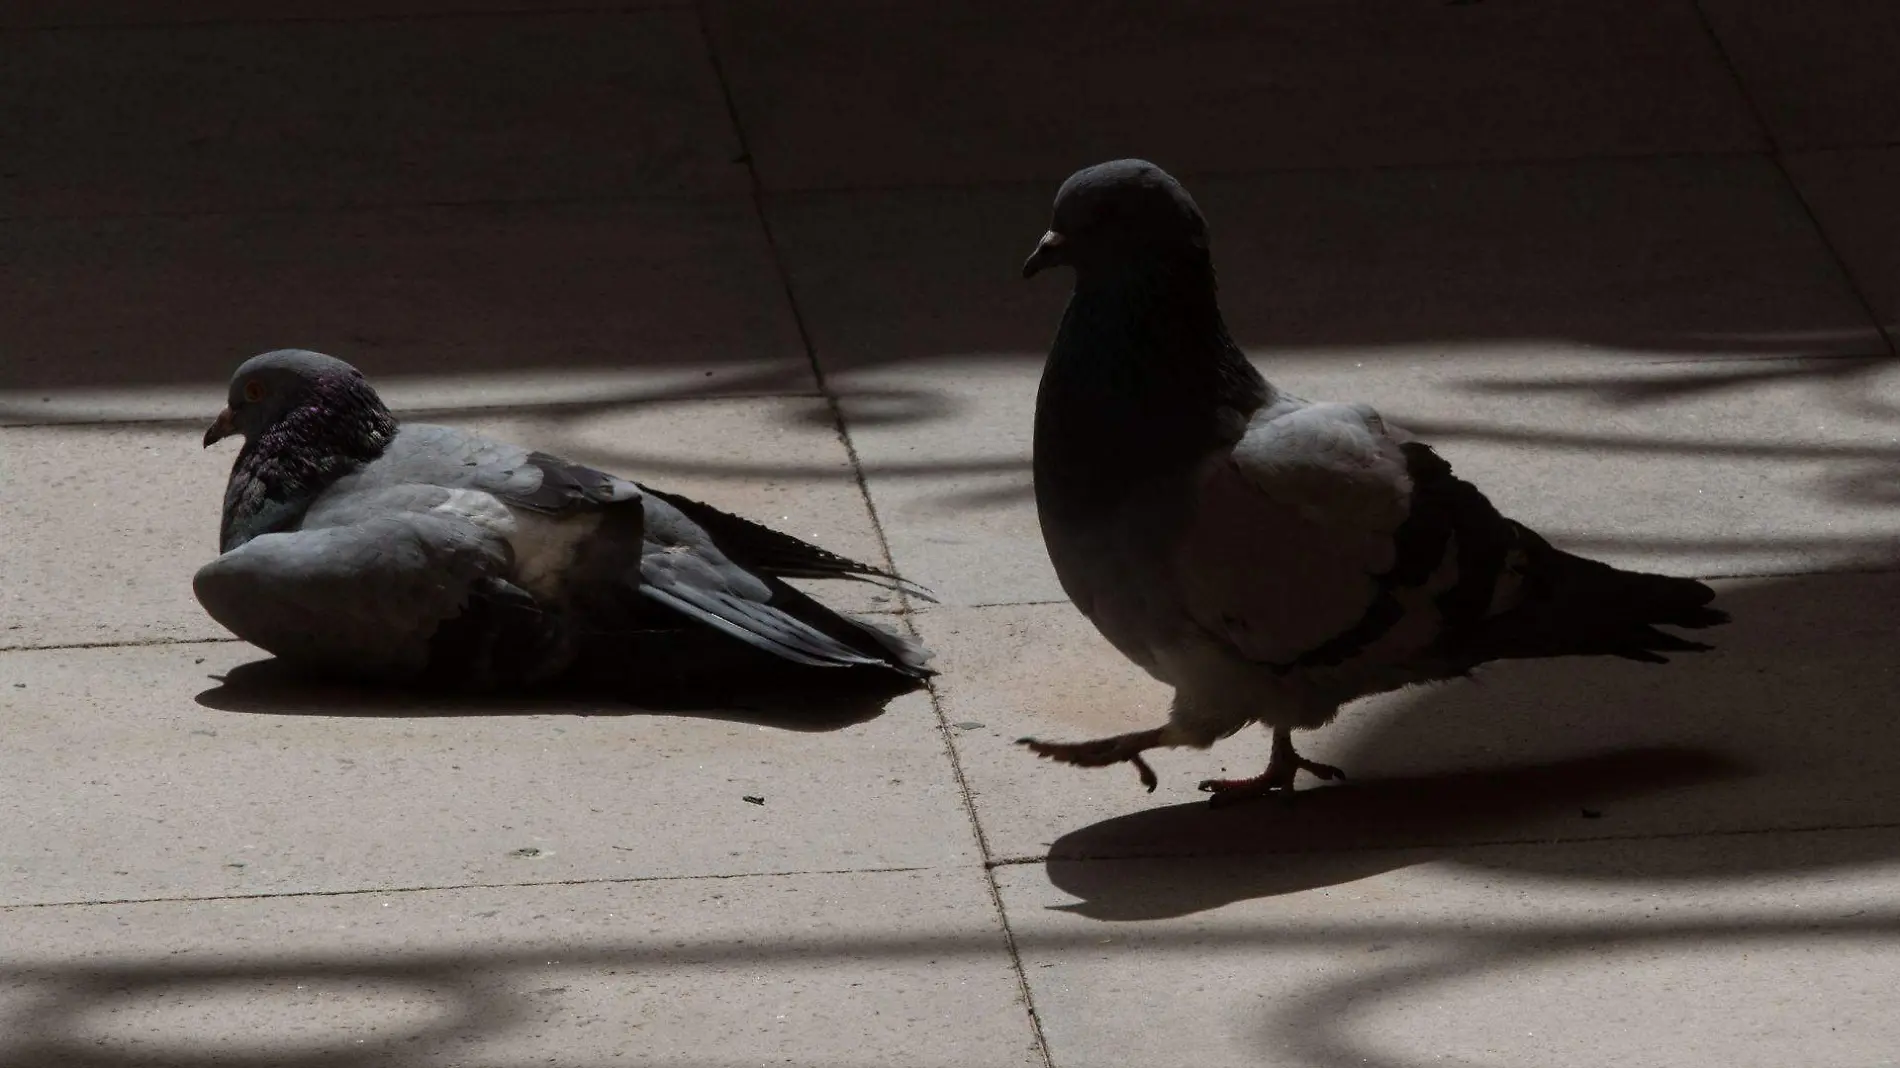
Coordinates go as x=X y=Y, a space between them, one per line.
x=1334 y=834
x=1790 y=724
x=456 y=1000
x=783 y=699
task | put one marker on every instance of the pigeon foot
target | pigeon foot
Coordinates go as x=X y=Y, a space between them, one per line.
x=1122 y=748
x=1282 y=767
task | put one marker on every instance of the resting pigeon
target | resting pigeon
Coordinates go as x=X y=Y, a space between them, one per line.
x=1269 y=557
x=358 y=545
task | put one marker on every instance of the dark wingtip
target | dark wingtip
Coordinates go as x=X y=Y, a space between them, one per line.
x=1653 y=643
x=919 y=592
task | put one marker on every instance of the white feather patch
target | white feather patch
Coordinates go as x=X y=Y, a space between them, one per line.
x=544 y=546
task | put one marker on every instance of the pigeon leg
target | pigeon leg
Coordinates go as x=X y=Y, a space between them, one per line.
x=1282 y=766
x=1104 y=751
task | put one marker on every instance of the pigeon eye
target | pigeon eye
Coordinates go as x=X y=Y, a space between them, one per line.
x=253 y=391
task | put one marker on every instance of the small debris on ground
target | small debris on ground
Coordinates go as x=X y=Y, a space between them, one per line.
x=525 y=851
x=967 y=725
x=750 y=800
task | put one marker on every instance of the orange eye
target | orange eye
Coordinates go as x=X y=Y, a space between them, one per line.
x=253 y=391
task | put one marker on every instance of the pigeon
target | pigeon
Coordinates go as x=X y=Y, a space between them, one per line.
x=371 y=549
x=1272 y=558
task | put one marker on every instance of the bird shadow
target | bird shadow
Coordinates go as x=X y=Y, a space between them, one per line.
x=1291 y=844
x=1787 y=726
x=760 y=698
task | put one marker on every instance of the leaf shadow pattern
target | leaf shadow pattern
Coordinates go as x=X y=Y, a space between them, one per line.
x=474 y=996
x=1325 y=1025
x=1849 y=380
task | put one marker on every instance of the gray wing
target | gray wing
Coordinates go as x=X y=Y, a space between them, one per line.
x=772 y=552
x=686 y=570
x=582 y=536
x=550 y=512
x=423 y=453
x=1292 y=530
x=446 y=527
x=364 y=596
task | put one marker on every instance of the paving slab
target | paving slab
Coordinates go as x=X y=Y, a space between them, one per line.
x=896 y=968
x=1851 y=194
x=106 y=524
x=59 y=14
x=936 y=94
x=174 y=770
x=1476 y=957
x=1786 y=725
x=233 y=116
x=1822 y=73
x=1593 y=343
x=145 y=317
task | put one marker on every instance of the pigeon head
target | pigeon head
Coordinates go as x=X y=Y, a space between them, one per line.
x=307 y=419
x=1116 y=211
x=267 y=388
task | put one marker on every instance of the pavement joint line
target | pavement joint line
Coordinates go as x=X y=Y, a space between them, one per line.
x=1840 y=261
x=290 y=20
x=128 y=643
x=968 y=796
x=761 y=195
x=147 y=643
x=840 y=425
x=1011 y=862
x=1023 y=991
x=1869 y=569
x=548 y=407
x=1747 y=359
x=427 y=889
x=656 y=196
x=1448 y=845
x=1224 y=174
x=183 y=423
x=999 y=862
x=908 y=613
x=1778 y=157
x=1034 y=1019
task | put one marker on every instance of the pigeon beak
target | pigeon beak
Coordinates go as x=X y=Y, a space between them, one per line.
x=220 y=429
x=1048 y=254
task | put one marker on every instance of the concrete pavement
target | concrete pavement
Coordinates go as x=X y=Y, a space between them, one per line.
x=1630 y=264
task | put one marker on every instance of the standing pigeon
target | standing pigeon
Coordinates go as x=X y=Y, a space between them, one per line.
x=1271 y=558
x=361 y=546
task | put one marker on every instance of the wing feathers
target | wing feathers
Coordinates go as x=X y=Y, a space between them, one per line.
x=761 y=548
x=758 y=625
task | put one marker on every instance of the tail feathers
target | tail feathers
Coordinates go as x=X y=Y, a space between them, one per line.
x=1574 y=606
